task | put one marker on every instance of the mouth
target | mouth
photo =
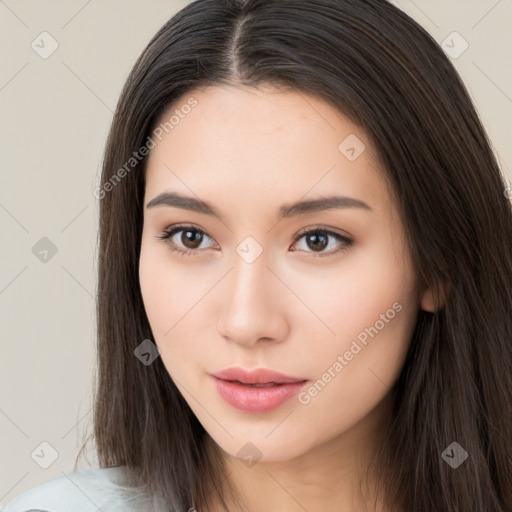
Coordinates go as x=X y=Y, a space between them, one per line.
x=257 y=397
x=259 y=376
x=254 y=385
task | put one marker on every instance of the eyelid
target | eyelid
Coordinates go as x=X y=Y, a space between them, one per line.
x=344 y=239
x=324 y=229
x=170 y=231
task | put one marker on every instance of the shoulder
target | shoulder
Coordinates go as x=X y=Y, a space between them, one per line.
x=91 y=490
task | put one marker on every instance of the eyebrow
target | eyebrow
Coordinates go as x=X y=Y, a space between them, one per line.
x=319 y=204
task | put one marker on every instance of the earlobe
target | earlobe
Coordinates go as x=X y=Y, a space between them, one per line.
x=432 y=301
x=428 y=302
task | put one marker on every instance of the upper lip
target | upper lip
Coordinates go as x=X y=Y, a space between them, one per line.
x=257 y=376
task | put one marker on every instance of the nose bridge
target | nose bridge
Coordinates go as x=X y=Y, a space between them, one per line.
x=249 y=283
x=250 y=309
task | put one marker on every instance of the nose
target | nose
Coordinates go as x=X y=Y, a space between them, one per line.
x=253 y=304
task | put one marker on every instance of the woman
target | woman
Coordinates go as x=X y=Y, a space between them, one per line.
x=305 y=272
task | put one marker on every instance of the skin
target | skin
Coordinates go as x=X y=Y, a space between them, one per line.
x=248 y=151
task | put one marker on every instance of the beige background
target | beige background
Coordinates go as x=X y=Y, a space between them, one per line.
x=55 y=115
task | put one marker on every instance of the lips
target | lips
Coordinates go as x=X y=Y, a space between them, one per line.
x=256 y=391
x=256 y=377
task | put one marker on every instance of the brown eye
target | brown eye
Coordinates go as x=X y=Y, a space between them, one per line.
x=191 y=238
x=189 y=242
x=316 y=240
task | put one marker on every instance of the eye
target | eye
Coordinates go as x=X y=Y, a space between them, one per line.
x=318 y=240
x=191 y=238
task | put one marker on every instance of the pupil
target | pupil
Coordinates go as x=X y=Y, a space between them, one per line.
x=190 y=237
x=316 y=238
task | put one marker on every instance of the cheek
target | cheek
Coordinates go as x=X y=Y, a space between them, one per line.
x=350 y=296
x=172 y=301
x=156 y=291
x=372 y=311
x=168 y=289
x=165 y=299
x=368 y=309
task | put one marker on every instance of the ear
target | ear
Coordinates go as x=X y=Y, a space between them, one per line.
x=433 y=300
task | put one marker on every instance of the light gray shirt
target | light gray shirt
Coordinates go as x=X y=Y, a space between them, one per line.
x=92 y=490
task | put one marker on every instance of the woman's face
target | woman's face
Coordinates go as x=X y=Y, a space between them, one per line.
x=335 y=308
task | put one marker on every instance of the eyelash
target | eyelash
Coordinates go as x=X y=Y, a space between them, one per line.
x=168 y=233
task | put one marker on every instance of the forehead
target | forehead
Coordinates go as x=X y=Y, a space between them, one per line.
x=264 y=142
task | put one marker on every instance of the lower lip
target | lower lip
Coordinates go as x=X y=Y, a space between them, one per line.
x=256 y=399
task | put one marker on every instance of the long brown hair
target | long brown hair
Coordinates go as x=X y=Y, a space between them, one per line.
x=383 y=71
